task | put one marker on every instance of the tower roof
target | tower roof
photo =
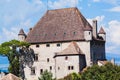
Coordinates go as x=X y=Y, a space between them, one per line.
x=21 y=32
x=101 y=31
x=58 y=26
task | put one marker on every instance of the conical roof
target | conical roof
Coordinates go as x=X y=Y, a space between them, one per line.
x=102 y=31
x=59 y=25
x=10 y=77
x=21 y=32
x=73 y=48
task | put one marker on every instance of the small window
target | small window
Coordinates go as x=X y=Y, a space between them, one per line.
x=74 y=33
x=48 y=59
x=50 y=67
x=37 y=46
x=89 y=33
x=41 y=71
x=72 y=67
x=36 y=57
x=58 y=68
x=58 y=45
x=47 y=45
x=64 y=33
x=55 y=34
x=66 y=58
x=33 y=71
x=68 y=67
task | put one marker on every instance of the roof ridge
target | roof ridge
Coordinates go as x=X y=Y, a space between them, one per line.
x=62 y=9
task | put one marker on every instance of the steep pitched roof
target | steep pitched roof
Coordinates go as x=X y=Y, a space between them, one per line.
x=102 y=31
x=59 y=25
x=73 y=48
x=21 y=32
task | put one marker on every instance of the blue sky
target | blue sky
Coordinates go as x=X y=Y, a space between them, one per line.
x=17 y=14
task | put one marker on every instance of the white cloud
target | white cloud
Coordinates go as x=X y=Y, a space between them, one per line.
x=115 y=9
x=113 y=2
x=113 y=37
x=98 y=18
x=63 y=4
x=114 y=32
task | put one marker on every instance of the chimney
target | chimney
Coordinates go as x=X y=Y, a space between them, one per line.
x=30 y=29
x=94 y=28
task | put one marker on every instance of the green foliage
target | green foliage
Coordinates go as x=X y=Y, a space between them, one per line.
x=72 y=76
x=107 y=72
x=46 y=76
x=9 y=49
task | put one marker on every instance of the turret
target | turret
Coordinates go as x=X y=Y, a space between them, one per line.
x=94 y=25
x=21 y=35
x=88 y=32
x=102 y=34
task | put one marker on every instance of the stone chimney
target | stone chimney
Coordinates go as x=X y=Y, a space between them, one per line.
x=94 y=25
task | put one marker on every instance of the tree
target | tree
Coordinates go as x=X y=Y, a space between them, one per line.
x=46 y=76
x=72 y=76
x=19 y=54
x=106 y=72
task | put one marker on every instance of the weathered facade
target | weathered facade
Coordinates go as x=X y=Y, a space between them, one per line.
x=64 y=42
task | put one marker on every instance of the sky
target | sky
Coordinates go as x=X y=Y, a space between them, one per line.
x=17 y=14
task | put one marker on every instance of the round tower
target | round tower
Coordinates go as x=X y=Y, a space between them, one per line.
x=21 y=35
x=88 y=32
x=102 y=34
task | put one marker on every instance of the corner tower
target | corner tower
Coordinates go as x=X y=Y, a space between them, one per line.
x=21 y=35
x=102 y=34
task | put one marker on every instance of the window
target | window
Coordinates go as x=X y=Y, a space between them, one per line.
x=48 y=60
x=64 y=33
x=33 y=71
x=58 y=68
x=66 y=58
x=41 y=71
x=47 y=45
x=50 y=67
x=68 y=67
x=58 y=45
x=72 y=67
x=89 y=33
x=37 y=46
x=74 y=33
x=36 y=57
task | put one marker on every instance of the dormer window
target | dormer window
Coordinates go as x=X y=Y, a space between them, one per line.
x=74 y=33
x=64 y=33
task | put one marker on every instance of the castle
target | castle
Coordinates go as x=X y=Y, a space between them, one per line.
x=64 y=42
